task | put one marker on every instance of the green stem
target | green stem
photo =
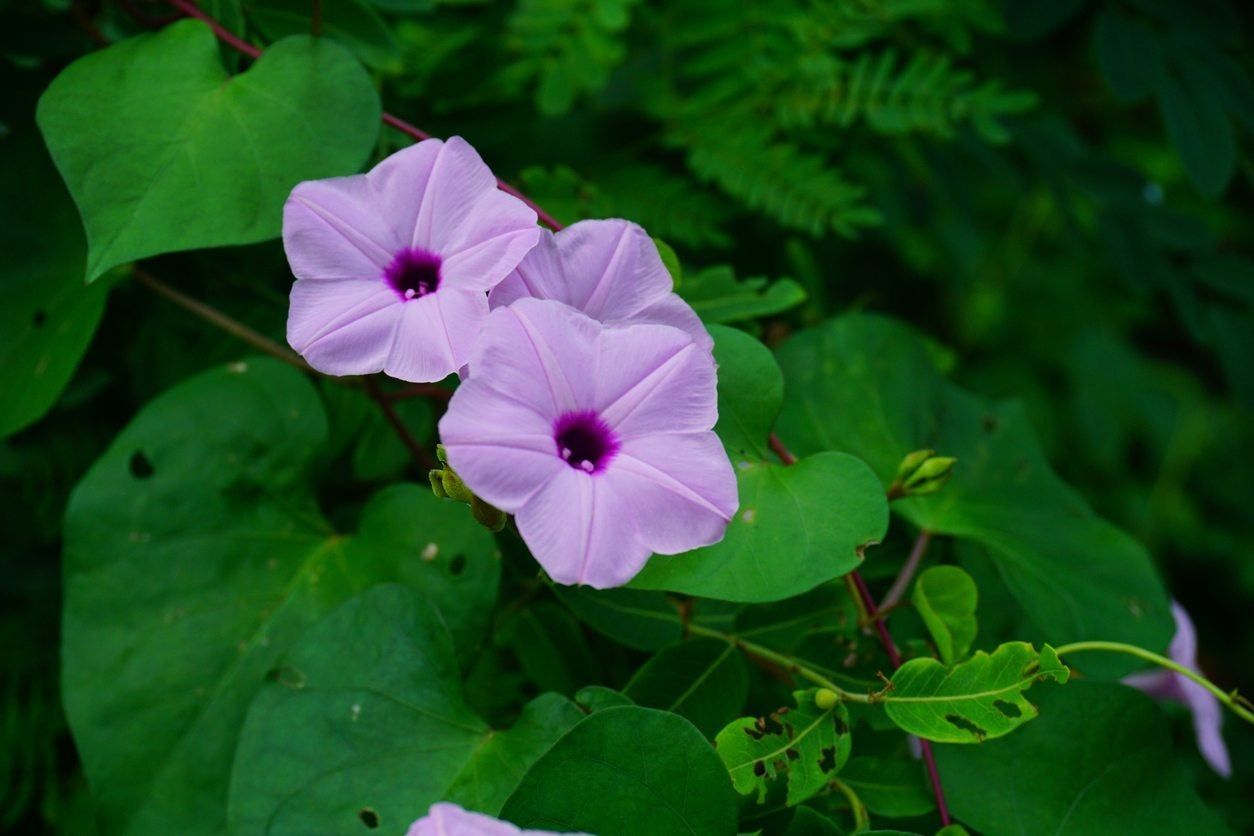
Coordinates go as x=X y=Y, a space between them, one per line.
x=1233 y=700
x=861 y=820
x=786 y=662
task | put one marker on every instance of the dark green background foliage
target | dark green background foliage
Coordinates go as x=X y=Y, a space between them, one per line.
x=1016 y=233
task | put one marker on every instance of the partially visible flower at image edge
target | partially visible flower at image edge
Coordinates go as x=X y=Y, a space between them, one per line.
x=392 y=266
x=598 y=438
x=1169 y=685
x=445 y=819
x=609 y=269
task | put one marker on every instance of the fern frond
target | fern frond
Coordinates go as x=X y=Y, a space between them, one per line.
x=801 y=190
x=566 y=47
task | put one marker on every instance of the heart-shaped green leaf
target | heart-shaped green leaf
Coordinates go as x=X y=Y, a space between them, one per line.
x=703 y=679
x=164 y=151
x=980 y=699
x=363 y=725
x=627 y=770
x=797 y=526
x=200 y=525
x=1098 y=760
x=47 y=315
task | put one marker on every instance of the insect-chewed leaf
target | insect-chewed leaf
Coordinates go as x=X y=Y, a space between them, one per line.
x=945 y=598
x=805 y=746
x=980 y=699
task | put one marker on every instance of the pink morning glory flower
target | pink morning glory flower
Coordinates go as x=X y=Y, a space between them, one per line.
x=392 y=267
x=598 y=438
x=446 y=819
x=608 y=269
x=1167 y=685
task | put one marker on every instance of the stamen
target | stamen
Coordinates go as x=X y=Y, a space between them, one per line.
x=584 y=441
x=413 y=273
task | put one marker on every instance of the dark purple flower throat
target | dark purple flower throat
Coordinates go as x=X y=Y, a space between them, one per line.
x=413 y=273
x=585 y=441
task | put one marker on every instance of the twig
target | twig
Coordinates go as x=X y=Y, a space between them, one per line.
x=416 y=450
x=867 y=605
x=214 y=316
x=886 y=639
x=898 y=590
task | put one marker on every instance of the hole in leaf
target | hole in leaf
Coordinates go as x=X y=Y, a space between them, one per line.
x=759 y=769
x=841 y=726
x=41 y=316
x=141 y=468
x=827 y=761
x=457 y=565
x=1008 y=708
x=369 y=818
x=966 y=725
x=287 y=676
x=792 y=754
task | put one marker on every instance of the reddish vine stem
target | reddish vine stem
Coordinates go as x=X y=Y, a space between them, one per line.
x=898 y=590
x=886 y=639
x=416 y=450
x=227 y=37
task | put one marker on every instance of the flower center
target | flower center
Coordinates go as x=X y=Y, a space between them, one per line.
x=585 y=441
x=413 y=273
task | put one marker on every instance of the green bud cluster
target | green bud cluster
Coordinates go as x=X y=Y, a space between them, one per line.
x=448 y=485
x=920 y=473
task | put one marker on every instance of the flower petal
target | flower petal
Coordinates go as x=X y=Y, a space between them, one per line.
x=441 y=197
x=576 y=531
x=1207 y=726
x=682 y=484
x=435 y=335
x=489 y=244
x=673 y=311
x=333 y=230
x=446 y=819
x=659 y=381
x=542 y=353
x=609 y=269
x=342 y=326
x=502 y=448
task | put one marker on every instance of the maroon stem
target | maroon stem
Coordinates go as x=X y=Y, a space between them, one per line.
x=225 y=35
x=886 y=639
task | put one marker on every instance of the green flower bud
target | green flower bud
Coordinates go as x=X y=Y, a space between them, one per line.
x=920 y=473
x=825 y=699
x=446 y=484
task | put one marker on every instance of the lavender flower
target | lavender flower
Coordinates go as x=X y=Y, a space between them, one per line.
x=446 y=819
x=391 y=266
x=598 y=438
x=608 y=269
x=1169 y=685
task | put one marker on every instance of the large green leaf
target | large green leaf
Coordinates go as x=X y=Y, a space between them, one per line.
x=47 y=315
x=895 y=788
x=703 y=679
x=364 y=722
x=627 y=770
x=980 y=699
x=867 y=385
x=164 y=151
x=194 y=555
x=1099 y=760
x=797 y=526
x=803 y=746
x=636 y=618
x=945 y=598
